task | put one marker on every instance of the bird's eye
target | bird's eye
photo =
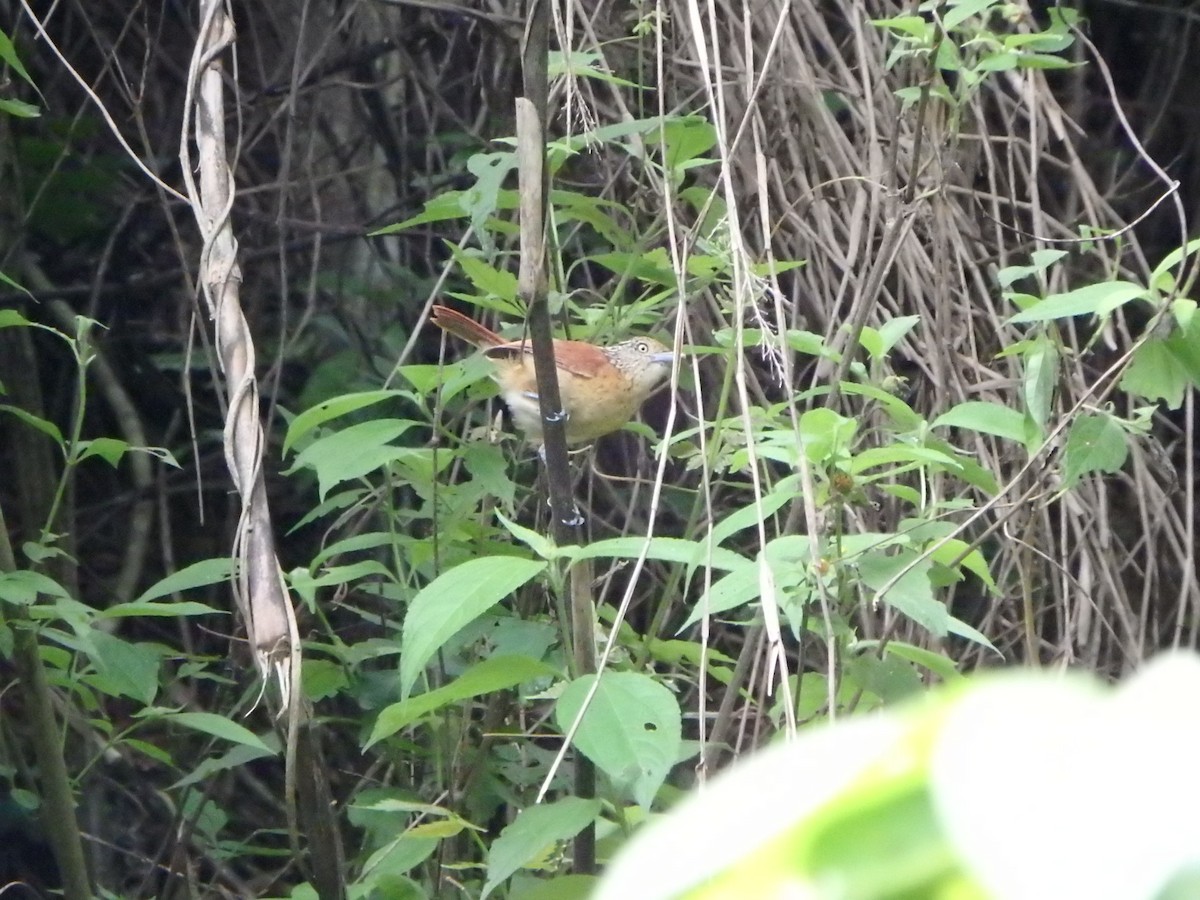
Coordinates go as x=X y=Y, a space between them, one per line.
x=642 y=347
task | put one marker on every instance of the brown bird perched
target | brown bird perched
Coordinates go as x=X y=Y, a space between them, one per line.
x=601 y=387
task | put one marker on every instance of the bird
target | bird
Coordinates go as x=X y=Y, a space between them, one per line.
x=601 y=387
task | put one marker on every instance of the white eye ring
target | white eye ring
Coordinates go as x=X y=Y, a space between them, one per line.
x=642 y=347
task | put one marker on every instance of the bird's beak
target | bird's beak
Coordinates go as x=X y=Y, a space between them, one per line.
x=666 y=358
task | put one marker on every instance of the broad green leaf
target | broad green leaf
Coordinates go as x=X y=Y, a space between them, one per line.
x=453 y=600
x=8 y=53
x=963 y=630
x=306 y=584
x=322 y=678
x=1042 y=260
x=108 y=449
x=564 y=887
x=692 y=553
x=10 y=318
x=43 y=425
x=878 y=342
x=20 y=109
x=200 y=574
x=973 y=561
x=940 y=665
x=901 y=454
x=111 y=450
x=913 y=26
x=441 y=208
x=825 y=434
x=986 y=418
x=397 y=857
x=733 y=590
x=1172 y=259
x=903 y=416
x=22 y=587
x=483 y=198
x=960 y=12
x=534 y=833
x=1037 y=388
x=1094 y=299
x=685 y=139
x=211 y=723
x=235 y=756
x=787 y=491
x=539 y=543
x=1157 y=373
x=356 y=542
x=1044 y=61
x=124 y=668
x=137 y=608
x=487 y=279
x=353 y=452
x=912 y=594
x=1095 y=443
x=331 y=409
x=631 y=730
x=496 y=673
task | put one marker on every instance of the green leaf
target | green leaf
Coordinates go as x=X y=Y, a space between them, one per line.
x=1037 y=388
x=899 y=453
x=1172 y=259
x=322 y=678
x=493 y=674
x=1155 y=372
x=960 y=12
x=10 y=318
x=20 y=109
x=352 y=452
x=631 y=731
x=735 y=589
x=235 y=756
x=913 y=26
x=124 y=668
x=108 y=449
x=1095 y=443
x=535 y=831
x=136 y=608
x=685 y=140
x=1042 y=260
x=678 y=550
x=22 y=587
x=539 y=543
x=940 y=665
x=200 y=574
x=332 y=409
x=452 y=601
x=1093 y=299
x=8 y=53
x=963 y=630
x=43 y=425
x=986 y=418
x=912 y=594
x=111 y=450
x=487 y=279
x=211 y=723
x=1044 y=61
x=787 y=491
x=441 y=208
x=878 y=342
x=824 y=434
x=564 y=887
x=973 y=561
x=482 y=199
